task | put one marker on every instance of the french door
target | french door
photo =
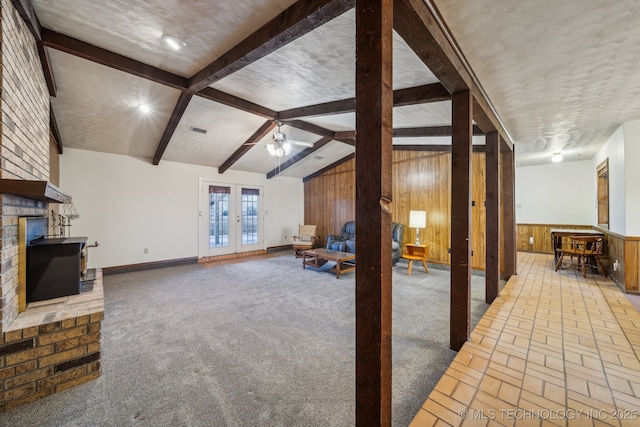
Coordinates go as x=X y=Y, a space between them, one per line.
x=231 y=219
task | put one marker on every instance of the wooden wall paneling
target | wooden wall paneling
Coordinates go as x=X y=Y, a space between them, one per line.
x=541 y=234
x=421 y=181
x=478 y=212
x=631 y=262
x=615 y=250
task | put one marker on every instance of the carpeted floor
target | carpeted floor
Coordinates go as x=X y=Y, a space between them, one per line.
x=257 y=343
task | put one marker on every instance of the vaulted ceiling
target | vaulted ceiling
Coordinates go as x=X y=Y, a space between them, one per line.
x=559 y=77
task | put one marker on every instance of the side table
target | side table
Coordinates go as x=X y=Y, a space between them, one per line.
x=416 y=253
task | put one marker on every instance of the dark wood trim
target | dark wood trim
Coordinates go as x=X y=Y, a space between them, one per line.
x=176 y=115
x=328 y=168
x=47 y=69
x=299 y=19
x=461 y=219
x=434 y=147
x=509 y=214
x=419 y=23
x=55 y=131
x=323 y=109
x=424 y=94
x=247 y=145
x=236 y=102
x=346 y=136
x=429 y=131
x=293 y=160
x=130 y=268
x=72 y=46
x=310 y=127
x=410 y=96
x=374 y=112
x=492 y=263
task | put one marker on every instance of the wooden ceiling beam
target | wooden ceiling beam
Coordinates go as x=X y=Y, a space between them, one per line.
x=429 y=131
x=236 y=102
x=435 y=92
x=434 y=147
x=420 y=25
x=28 y=15
x=323 y=109
x=54 y=130
x=295 y=159
x=299 y=19
x=176 y=115
x=311 y=128
x=72 y=46
x=247 y=145
x=328 y=168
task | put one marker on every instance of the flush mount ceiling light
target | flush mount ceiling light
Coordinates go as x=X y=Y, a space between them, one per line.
x=557 y=157
x=144 y=108
x=173 y=41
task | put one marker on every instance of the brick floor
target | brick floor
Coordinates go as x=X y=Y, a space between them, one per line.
x=554 y=349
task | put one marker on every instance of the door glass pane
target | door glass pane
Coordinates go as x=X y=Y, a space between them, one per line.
x=219 y=216
x=250 y=199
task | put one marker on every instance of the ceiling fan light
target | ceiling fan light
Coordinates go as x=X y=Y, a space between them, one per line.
x=271 y=148
x=287 y=147
x=279 y=152
x=557 y=157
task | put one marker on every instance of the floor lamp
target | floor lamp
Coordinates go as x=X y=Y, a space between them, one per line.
x=417 y=220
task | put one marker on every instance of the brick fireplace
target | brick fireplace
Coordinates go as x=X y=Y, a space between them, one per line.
x=54 y=344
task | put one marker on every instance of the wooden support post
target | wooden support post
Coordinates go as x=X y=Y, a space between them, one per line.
x=509 y=214
x=461 y=218
x=374 y=104
x=492 y=263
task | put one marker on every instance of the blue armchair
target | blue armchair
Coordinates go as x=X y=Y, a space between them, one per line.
x=346 y=240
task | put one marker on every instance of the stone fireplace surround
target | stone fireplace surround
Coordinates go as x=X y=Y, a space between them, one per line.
x=54 y=344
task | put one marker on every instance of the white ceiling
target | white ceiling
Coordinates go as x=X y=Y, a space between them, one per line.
x=561 y=75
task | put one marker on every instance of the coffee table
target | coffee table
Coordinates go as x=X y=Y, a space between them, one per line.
x=318 y=257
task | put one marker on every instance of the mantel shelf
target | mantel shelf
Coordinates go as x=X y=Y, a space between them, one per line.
x=37 y=190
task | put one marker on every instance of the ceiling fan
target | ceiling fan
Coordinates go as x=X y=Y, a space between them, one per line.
x=280 y=145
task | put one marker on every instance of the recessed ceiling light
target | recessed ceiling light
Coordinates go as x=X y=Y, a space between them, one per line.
x=144 y=108
x=173 y=41
x=557 y=157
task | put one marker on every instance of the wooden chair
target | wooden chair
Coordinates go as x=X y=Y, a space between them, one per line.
x=305 y=239
x=588 y=250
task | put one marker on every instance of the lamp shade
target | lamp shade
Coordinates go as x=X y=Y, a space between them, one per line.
x=417 y=219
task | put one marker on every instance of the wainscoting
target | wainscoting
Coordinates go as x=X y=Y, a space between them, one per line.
x=625 y=249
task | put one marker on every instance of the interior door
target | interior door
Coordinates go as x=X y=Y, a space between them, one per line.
x=231 y=219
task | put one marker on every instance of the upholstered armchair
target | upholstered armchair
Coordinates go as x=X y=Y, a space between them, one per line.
x=305 y=239
x=346 y=240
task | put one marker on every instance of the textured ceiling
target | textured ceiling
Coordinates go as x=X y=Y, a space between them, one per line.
x=561 y=75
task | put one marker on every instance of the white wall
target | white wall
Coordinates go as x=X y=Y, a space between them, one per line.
x=614 y=150
x=632 y=177
x=127 y=204
x=558 y=193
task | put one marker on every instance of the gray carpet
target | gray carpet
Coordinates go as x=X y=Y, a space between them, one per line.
x=256 y=343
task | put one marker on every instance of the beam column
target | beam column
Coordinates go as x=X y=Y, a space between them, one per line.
x=461 y=218
x=374 y=104
x=509 y=214
x=492 y=264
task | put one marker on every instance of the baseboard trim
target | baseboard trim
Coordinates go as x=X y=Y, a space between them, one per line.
x=108 y=271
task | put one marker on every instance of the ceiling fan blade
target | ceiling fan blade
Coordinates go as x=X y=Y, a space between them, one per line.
x=302 y=143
